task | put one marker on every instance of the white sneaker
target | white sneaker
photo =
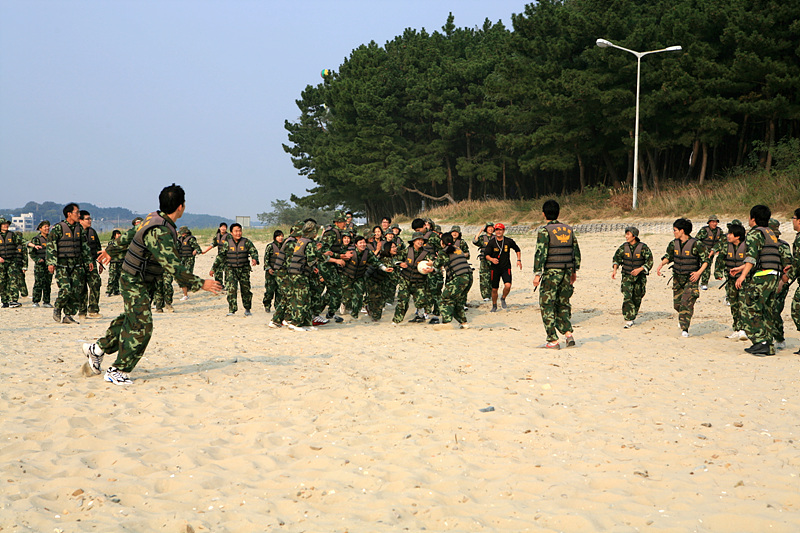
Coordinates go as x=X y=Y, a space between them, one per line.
x=117 y=377
x=780 y=345
x=273 y=324
x=486 y=299
x=703 y=287
x=286 y=323
x=310 y=328
x=628 y=324
x=734 y=335
x=743 y=336
x=684 y=333
x=297 y=328
x=95 y=355
x=184 y=298
x=321 y=319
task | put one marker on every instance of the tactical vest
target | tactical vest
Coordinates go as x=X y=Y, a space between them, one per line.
x=219 y=239
x=457 y=243
x=237 y=254
x=483 y=241
x=298 y=263
x=411 y=273
x=69 y=245
x=631 y=260
x=559 y=252
x=337 y=246
x=41 y=254
x=279 y=257
x=735 y=255
x=458 y=264
x=770 y=256
x=277 y=248
x=94 y=242
x=684 y=262
x=138 y=259
x=712 y=237
x=8 y=246
x=356 y=266
x=186 y=249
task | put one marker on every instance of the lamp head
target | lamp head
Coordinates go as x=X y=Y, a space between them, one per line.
x=602 y=43
x=677 y=48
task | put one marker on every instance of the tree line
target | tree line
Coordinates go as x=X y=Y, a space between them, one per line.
x=490 y=112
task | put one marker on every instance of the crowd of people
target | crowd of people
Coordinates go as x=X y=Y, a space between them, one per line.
x=316 y=274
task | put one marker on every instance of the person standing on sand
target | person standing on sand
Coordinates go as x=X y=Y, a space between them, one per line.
x=793 y=272
x=481 y=240
x=498 y=253
x=711 y=237
x=637 y=261
x=69 y=258
x=690 y=259
x=42 y=279
x=555 y=266
x=237 y=258
x=152 y=250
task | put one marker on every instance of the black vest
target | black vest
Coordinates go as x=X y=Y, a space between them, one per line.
x=458 y=264
x=8 y=246
x=337 y=246
x=237 y=254
x=186 y=249
x=482 y=242
x=41 y=254
x=684 y=262
x=277 y=248
x=356 y=266
x=770 y=256
x=94 y=242
x=69 y=245
x=712 y=237
x=279 y=257
x=299 y=263
x=411 y=273
x=138 y=259
x=632 y=259
x=560 y=253
x=735 y=255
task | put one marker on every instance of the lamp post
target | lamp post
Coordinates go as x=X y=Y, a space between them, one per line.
x=603 y=43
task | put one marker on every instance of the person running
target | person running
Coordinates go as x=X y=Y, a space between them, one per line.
x=637 y=261
x=498 y=253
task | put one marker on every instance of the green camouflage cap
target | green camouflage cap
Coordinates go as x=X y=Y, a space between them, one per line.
x=294 y=231
x=4 y=221
x=455 y=228
x=136 y=221
x=417 y=235
x=775 y=226
x=309 y=230
x=339 y=218
x=437 y=228
x=43 y=223
x=183 y=229
x=715 y=218
x=395 y=226
x=734 y=222
x=633 y=230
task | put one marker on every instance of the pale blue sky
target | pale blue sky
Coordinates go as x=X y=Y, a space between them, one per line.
x=108 y=101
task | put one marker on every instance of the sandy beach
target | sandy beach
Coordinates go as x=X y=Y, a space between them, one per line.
x=234 y=427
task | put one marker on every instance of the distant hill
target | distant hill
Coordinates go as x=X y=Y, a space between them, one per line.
x=105 y=218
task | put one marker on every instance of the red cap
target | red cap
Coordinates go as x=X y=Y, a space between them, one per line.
x=499 y=225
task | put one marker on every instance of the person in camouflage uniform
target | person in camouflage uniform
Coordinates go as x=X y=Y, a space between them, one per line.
x=354 y=272
x=8 y=258
x=152 y=248
x=188 y=250
x=455 y=260
x=636 y=260
x=300 y=269
x=333 y=249
x=733 y=256
x=556 y=262
x=380 y=285
x=114 y=268
x=793 y=272
x=20 y=267
x=90 y=291
x=234 y=259
x=690 y=260
x=760 y=271
x=69 y=258
x=413 y=284
x=163 y=293
x=436 y=278
x=782 y=291
x=219 y=241
x=485 y=273
x=461 y=244
x=280 y=266
x=712 y=238
x=270 y=281
x=42 y=279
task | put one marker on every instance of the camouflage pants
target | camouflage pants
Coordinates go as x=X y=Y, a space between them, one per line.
x=377 y=293
x=297 y=293
x=90 y=293
x=758 y=310
x=735 y=298
x=42 y=281
x=684 y=294
x=777 y=311
x=633 y=289
x=281 y=286
x=238 y=278
x=353 y=289
x=453 y=298
x=796 y=308
x=485 y=279
x=270 y=290
x=706 y=275
x=22 y=285
x=129 y=333
x=318 y=298
x=8 y=283
x=70 y=278
x=188 y=263
x=555 y=290
x=219 y=275
x=112 y=285
x=162 y=291
x=333 y=286
x=435 y=285
x=405 y=291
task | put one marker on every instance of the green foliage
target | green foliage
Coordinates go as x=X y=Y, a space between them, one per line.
x=284 y=215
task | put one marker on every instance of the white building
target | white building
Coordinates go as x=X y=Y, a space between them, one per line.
x=24 y=222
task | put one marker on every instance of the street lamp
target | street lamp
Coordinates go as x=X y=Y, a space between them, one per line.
x=603 y=43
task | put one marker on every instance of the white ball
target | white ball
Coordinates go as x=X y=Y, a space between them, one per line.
x=425 y=267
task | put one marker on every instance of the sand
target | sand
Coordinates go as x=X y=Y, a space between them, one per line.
x=234 y=427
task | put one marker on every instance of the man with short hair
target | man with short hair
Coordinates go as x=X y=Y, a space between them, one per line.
x=234 y=259
x=636 y=260
x=151 y=250
x=90 y=290
x=8 y=258
x=413 y=283
x=335 y=257
x=734 y=254
x=690 y=260
x=69 y=258
x=556 y=263
x=761 y=268
x=711 y=237
x=188 y=251
x=498 y=254
x=114 y=267
x=42 y=279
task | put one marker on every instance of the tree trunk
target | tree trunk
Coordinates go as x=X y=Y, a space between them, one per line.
x=741 y=150
x=693 y=158
x=449 y=178
x=704 y=165
x=611 y=170
x=520 y=190
x=504 y=181
x=643 y=176
x=770 y=144
x=629 y=176
x=653 y=168
x=581 y=173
